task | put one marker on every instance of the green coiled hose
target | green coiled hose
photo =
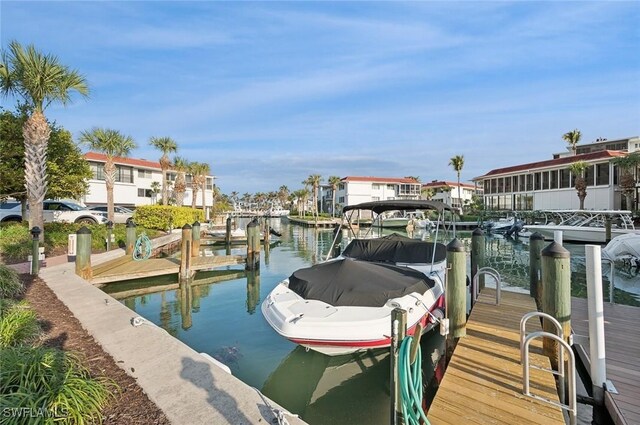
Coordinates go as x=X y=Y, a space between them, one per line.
x=142 y=249
x=411 y=384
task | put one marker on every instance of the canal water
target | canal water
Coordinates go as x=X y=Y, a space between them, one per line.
x=219 y=314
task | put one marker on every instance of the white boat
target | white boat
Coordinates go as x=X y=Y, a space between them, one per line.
x=391 y=220
x=418 y=220
x=623 y=248
x=501 y=225
x=344 y=305
x=585 y=225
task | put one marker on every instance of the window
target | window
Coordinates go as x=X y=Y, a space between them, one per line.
x=145 y=193
x=602 y=174
x=588 y=175
x=494 y=186
x=529 y=182
x=537 y=178
x=521 y=183
x=507 y=184
x=375 y=198
x=554 y=179
x=144 y=174
x=124 y=174
x=565 y=178
x=97 y=170
x=341 y=199
x=341 y=187
x=209 y=183
x=375 y=186
x=409 y=189
x=545 y=180
x=500 y=185
x=171 y=177
x=391 y=187
x=486 y=185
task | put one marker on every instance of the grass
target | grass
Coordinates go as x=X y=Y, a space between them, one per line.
x=10 y=284
x=18 y=324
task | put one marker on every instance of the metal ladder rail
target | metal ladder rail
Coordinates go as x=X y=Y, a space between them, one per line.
x=496 y=277
x=571 y=408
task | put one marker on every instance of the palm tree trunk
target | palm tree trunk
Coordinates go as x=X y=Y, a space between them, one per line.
x=36 y=133
x=109 y=179
x=459 y=197
x=333 y=208
x=165 y=191
x=194 y=193
x=204 y=197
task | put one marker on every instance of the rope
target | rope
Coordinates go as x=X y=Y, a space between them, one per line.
x=410 y=376
x=142 y=249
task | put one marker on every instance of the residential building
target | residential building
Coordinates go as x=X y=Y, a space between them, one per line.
x=134 y=183
x=447 y=192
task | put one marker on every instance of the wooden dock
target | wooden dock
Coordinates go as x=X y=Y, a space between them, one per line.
x=622 y=347
x=125 y=269
x=483 y=381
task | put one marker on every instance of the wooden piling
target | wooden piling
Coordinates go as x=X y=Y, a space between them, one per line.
x=556 y=295
x=131 y=238
x=400 y=316
x=477 y=259
x=536 y=243
x=185 y=253
x=253 y=245
x=195 y=239
x=83 y=253
x=227 y=235
x=456 y=295
x=607 y=229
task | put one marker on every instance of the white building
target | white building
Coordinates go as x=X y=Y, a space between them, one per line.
x=447 y=192
x=355 y=189
x=134 y=178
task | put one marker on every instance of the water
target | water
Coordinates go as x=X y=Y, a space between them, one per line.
x=224 y=320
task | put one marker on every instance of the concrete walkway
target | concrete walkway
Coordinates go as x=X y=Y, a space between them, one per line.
x=188 y=388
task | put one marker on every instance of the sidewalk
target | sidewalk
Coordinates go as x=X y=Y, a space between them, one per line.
x=48 y=262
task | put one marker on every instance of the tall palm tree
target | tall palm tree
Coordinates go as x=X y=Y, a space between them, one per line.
x=573 y=138
x=580 y=184
x=334 y=181
x=457 y=162
x=181 y=166
x=283 y=195
x=155 y=189
x=314 y=181
x=113 y=144
x=166 y=145
x=39 y=79
x=203 y=172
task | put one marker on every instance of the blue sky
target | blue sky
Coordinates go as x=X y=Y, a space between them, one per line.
x=270 y=92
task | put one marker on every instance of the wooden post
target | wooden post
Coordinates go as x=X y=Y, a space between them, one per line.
x=253 y=246
x=556 y=295
x=477 y=260
x=456 y=295
x=607 y=229
x=227 y=235
x=83 y=253
x=131 y=237
x=398 y=332
x=253 y=290
x=185 y=253
x=35 y=250
x=536 y=243
x=195 y=239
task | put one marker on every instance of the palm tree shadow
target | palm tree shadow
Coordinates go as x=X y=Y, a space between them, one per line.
x=199 y=374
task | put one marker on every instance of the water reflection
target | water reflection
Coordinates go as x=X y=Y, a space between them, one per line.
x=253 y=290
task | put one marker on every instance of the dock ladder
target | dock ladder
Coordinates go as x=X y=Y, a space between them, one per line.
x=489 y=272
x=525 y=341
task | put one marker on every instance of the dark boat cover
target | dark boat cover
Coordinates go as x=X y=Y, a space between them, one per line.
x=395 y=248
x=349 y=282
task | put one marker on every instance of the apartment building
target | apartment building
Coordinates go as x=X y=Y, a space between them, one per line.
x=447 y=192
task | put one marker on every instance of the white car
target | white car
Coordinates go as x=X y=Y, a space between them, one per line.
x=55 y=211
x=121 y=215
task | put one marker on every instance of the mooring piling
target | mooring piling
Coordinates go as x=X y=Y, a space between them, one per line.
x=595 y=306
x=83 y=253
x=477 y=260
x=185 y=253
x=227 y=234
x=253 y=245
x=536 y=244
x=456 y=295
x=131 y=238
x=398 y=332
x=195 y=239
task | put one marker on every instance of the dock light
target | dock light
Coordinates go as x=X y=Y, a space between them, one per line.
x=35 y=232
x=109 y=224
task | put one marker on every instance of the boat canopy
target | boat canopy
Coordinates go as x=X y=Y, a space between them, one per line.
x=395 y=248
x=401 y=204
x=349 y=282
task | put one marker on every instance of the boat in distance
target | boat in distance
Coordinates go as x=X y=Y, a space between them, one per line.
x=344 y=304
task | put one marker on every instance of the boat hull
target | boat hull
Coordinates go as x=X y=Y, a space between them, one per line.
x=578 y=234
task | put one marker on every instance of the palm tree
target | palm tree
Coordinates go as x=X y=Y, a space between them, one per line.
x=314 y=181
x=457 y=162
x=166 y=145
x=204 y=171
x=113 y=144
x=155 y=189
x=181 y=166
x=627 y=183
x=573 y=138
x=40 y=80
x=283 y=195
x=427 y=193
x=195 y=183
x=580 y=184
x=334 y=181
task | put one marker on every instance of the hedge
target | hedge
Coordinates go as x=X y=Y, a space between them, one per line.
x=166 y=217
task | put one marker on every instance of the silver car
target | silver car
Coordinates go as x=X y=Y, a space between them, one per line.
x=121 y=215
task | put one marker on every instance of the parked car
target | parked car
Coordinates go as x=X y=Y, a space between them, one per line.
x=55 y=211
x=120 y=214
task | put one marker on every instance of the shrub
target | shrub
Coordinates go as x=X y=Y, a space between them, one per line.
x=50 y=379
x=18 y=324
x=10 y=284
x=166 y=217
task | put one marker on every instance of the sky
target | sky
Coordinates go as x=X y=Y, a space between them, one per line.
x=270 y=92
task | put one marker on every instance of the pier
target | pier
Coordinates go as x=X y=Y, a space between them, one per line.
x=483 y=381
x=622 y=346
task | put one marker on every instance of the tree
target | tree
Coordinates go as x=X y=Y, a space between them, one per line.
x=181 y=166
x=203 y=172
x=113 y=144
x=199 y=172
x=67 y=169
x=166 y=145
x=580 y=184
x=283 y=195
x=40 y=80
x=627 y=183
x=334 y=181
x=155 y=189
x=314 y=181
x=427 y=193
x=573 y=138
x=457 y=162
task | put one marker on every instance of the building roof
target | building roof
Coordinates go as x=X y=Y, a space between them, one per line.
x=378 y=179
x=141 y=163
x=565 y=160
x=440 y=183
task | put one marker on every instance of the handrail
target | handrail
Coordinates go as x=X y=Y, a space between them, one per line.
x=496 y=277
x=562 y=345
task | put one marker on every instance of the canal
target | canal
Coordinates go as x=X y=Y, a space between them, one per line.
x=224 y=319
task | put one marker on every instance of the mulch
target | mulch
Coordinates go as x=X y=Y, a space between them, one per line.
x=62 y=330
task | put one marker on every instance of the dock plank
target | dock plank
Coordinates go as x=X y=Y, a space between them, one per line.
x=483 y=382
x=622 y=345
